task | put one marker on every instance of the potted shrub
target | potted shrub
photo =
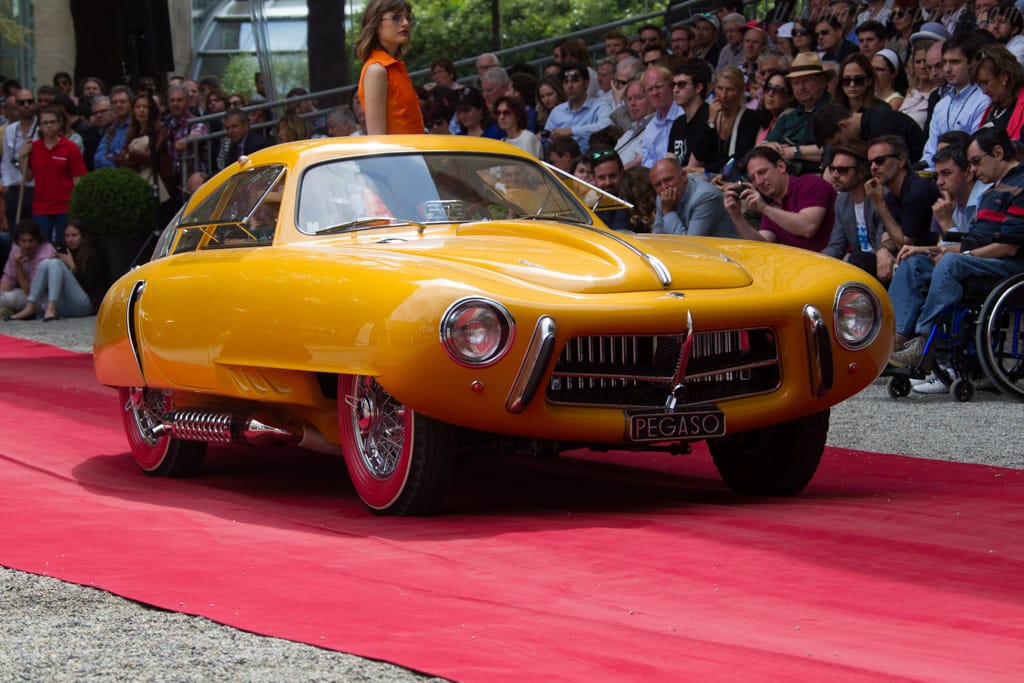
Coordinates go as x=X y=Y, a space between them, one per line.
x=118 y=207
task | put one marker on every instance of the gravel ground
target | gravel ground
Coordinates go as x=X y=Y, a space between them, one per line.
x=56 y=631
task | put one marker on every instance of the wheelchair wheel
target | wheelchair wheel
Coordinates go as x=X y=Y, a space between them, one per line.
x=962 y=390
x=899 y=386
x=1000 y=336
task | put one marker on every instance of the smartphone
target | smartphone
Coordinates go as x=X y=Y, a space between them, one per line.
x=62 y=249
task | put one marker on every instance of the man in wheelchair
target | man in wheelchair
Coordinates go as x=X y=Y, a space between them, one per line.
x=928 y=280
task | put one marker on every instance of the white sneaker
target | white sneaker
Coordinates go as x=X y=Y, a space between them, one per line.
x=915 y=382
x=932 y=385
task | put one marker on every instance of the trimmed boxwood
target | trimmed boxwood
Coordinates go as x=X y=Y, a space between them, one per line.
x=114 y=202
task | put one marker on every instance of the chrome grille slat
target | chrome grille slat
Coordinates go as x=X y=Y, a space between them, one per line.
x=722 y=365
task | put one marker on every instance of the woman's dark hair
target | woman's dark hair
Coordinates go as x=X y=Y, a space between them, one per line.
x=134 y=129
x=437 y=111
x=446 y=64
x=635 y=187
x=1000 y=63
x=81 y=255
x=516 y=106
x=526 y=85
x=62 y=117
x=373 y=15
x=808 y=25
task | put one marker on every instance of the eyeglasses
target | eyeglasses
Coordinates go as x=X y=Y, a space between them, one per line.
x=503 y=112
x=854 y=80
x=572 y=77
x=652 y=62
x=681 y=83
x=777 y=89
x=841 y=170
x=800 y=33
x=397 y=19
x=880 y=159
x=236 y=103
x=974 y=161
x=603 y=155
x=821 y=34
x=437 y=123
x=26 y=102
x=619 y=84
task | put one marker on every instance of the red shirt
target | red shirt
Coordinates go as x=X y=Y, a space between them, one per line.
x=54 y=170
x=404 y=115
x=804 y=191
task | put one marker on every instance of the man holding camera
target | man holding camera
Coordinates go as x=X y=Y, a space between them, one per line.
x=795 y=210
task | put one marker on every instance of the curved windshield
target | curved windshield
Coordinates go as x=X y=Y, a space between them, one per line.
x=422 y=188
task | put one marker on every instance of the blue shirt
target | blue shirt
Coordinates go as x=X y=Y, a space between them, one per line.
x=109 y=146
x=591 y=117
x=956 y=111
x=656 y=135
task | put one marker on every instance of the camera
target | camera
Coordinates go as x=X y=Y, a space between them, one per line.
x=738 y=189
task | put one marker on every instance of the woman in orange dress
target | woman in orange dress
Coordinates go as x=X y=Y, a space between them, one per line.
x=385 y=89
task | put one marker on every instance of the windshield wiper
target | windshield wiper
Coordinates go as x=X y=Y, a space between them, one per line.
x=564 y=215
x=368 y=221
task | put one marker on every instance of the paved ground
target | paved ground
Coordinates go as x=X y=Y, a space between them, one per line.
x=56 y=631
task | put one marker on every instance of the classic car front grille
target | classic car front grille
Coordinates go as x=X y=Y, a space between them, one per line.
x=638 y=371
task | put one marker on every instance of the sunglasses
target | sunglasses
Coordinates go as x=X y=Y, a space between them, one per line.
x=822 y=34
x=572 y=77
x=26 y=102
x=603 y=155
x=778 y=89
x=854 y=80
x=800 y=33
x=620 y=84
x=681 y=84
x=880 y=159
x=840 y=170
x=503 y=112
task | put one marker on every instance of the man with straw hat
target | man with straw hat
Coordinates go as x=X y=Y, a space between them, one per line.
x=793 y=136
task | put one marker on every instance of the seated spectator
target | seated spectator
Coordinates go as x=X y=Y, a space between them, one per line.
x=858 y=229
x=579 y=115
x=475 y=118
x=635 y=187
x=902 y=198
x=930 y=279
x=511 y=115
x=832 y=44
x=904 y=22
x=776 y=100
x=887 y=68
x=792 y=134
x=630 y=145
x=608 y=172
x=1001 y=77
x=291 y=128
x=72 y=282
x=582 y=169
x=857 y=84
x=687 y=204
x=494 y=83
x=733 y=127
x=1006 y=23
x=688 y=138
x=871 y=37
x=960 y=192
x=795 y=210
x=341 y=122
x=550 y=93
x=562 y=151
x=834 y=124
x=921 y=86
x=731 y=53
x=963 y=108
x=27 y=252
x=658 y=85
x=443 y=73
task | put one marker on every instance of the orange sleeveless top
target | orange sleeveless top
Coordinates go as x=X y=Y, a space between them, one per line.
x=404 y=114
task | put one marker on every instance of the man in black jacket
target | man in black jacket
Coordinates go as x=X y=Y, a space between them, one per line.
x=243 y=141
x=834 y=124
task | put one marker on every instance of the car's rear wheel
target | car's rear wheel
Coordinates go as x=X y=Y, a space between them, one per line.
x=400 y=462
x=163 y=455
x=773 y=461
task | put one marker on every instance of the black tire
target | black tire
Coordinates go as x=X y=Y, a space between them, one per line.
x=400 y=462
x=157 y=456
x=773 y=461
x=1000 y=336
x=962 y=390
x=898 y=386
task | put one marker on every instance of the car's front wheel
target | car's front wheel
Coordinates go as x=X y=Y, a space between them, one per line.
x=159 y=455
x=774 y=461
x=400 y=462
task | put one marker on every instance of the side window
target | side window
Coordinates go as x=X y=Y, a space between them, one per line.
x=243 y=212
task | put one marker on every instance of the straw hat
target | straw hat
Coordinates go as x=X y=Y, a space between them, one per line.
x=806 y=64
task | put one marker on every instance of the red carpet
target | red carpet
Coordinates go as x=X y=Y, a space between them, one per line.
x=887 y=568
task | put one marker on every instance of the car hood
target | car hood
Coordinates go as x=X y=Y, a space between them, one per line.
x=583 y=259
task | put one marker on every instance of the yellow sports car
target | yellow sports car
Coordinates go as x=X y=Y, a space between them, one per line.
x=396 y=300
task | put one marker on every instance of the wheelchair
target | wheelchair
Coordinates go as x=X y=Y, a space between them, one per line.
x=981 y=336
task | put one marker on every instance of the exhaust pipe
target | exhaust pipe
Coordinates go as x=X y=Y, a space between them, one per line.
x=223 y=428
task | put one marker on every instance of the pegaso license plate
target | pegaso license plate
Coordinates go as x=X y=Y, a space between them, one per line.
x=663 y=426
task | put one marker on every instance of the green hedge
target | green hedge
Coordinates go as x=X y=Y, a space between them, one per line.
x=113 y=201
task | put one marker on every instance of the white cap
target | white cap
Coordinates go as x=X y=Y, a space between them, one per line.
x=786 y=30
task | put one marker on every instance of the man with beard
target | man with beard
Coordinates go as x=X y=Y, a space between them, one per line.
x=858 y=229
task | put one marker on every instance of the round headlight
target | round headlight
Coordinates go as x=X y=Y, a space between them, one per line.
x=476 y=332
x=857 y=316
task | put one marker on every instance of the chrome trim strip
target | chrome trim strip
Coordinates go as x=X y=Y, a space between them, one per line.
x=535 y=362
x=130 y=324
x=819 y=351
x=660 y=271
x=684 y=353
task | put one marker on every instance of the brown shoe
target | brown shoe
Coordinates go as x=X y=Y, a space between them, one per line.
x=900 y=342
x=909 y=355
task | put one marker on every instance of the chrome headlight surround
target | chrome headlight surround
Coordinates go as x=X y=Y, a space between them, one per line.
x=856 y=316
x=477 y=332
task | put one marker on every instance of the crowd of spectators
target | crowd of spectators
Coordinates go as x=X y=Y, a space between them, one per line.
x=864 y=131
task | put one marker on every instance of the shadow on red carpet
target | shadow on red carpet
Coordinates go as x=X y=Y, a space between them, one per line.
x=636 y=566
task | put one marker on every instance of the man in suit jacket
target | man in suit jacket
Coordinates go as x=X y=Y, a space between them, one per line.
x=687 y=204
x=858 y=229
x=243 y=141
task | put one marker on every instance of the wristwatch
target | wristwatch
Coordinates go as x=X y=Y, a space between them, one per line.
x=796 y=152
x=965 y=252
